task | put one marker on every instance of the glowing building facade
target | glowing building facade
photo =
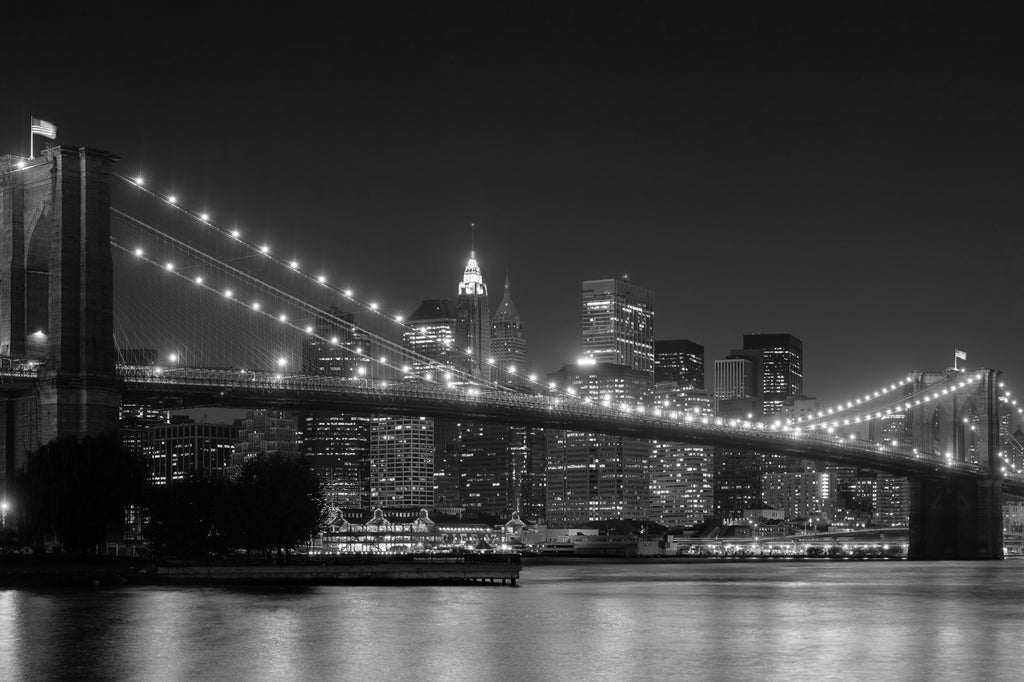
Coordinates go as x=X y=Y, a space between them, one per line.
x=618 y=324
x=401 y=462
x=473 y=323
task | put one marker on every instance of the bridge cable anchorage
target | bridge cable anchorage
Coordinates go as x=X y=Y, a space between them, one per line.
x=509 y=375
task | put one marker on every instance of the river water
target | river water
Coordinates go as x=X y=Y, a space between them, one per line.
x=572 y=619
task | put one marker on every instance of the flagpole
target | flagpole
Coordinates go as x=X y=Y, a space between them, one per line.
x=955 y=358
x=31 y=141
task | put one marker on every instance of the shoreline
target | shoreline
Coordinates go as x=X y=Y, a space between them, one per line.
x=56 y=571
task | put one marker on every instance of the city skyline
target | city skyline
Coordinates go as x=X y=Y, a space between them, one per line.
x=794 y=204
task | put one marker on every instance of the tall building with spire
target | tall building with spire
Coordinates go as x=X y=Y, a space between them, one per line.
x=473 y=322
x=508 y=343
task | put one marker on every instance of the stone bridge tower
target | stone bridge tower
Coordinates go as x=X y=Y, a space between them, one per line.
x=952 y=517
x=56 y=297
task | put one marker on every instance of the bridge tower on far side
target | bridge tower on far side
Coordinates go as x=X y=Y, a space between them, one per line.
x=953 y=517
x=56 y=298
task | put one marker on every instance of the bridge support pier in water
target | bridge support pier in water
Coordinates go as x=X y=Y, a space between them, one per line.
x=56 y=298
x=956 y=518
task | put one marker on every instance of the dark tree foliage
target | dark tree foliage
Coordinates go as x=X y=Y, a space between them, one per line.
x=75 y=492
x=276 y=502
x=188 y=517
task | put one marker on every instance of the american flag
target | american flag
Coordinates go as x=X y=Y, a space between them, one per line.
x=44 y=128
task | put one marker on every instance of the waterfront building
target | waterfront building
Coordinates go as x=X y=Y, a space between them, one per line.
x=681 y=475
x=179 y=449
x=798 y=494
x=499 y=467
x=594 y=477
x=401 y=462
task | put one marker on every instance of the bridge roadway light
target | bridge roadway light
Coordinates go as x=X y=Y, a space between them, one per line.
x=139 y=181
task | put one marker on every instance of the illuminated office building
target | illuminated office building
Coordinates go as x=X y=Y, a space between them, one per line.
x=401 y=462
x=679 y=360
x=618 y=324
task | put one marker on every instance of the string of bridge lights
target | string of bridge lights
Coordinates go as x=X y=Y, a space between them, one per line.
x=856 y=402
x=1008 y=398
x=321 y=278
x=281 y=361
x=227 y=292
x=930 y=394
x=198 y=280
x=253 y=281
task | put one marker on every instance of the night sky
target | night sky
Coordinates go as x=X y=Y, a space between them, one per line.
x=850 y=174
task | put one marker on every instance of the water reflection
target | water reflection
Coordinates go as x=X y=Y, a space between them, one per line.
x=597 y=620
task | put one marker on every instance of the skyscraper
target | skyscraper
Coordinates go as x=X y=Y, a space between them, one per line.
x=679 y=360
x=181 y=448
x=681 y=475
x=338 y=347
x=618 y=324
x=781 y=368
x=431 y=334
x=401 y=462
x=734 y=380
x=264 y=432
x=473 y=322
x=593 y=477
x=337 y=444
x=508 y=343
x=498 y=463
x=737 y=473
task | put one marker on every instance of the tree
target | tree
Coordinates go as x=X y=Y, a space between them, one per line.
x=188 y=517
x=275 y=503
x=75 y=492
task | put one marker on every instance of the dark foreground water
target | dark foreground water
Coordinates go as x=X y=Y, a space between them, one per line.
x=594 y=620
